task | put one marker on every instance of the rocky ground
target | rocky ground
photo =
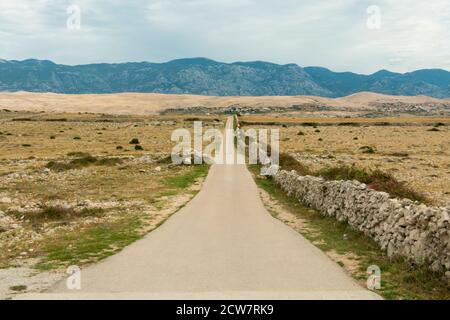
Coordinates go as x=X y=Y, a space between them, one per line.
x=66 y=201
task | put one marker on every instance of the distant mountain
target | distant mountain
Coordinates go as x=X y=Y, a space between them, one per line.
x=207 y=77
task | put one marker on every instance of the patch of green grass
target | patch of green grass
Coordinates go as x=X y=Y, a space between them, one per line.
x=90 y=245
x=400 y=278
x=97 y=242
x=183 y=180
x=18 y=288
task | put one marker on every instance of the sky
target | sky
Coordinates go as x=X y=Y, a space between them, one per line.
x=342 y=35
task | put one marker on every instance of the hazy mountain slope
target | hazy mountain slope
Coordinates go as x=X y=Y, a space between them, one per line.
x=207 y=77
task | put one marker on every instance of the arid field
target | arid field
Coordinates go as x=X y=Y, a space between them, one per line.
x=76 y=188
x=416 y=151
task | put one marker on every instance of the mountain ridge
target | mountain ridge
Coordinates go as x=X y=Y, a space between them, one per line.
x=203 y=76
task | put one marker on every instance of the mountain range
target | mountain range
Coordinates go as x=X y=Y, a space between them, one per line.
x=203 y=76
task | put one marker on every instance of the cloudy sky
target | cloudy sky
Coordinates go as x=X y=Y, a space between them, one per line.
x=343 y=35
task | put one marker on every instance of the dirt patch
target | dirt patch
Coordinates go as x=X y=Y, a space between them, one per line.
x=281 y=213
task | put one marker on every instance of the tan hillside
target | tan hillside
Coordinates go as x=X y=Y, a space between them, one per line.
x=151 y=103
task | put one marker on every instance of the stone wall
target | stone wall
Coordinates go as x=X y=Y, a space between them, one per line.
x=400 y=226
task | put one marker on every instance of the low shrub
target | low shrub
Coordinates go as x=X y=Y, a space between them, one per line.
x=134 y=141
x=375 y=179
x=287 y=162
x=367 y=149
x=399 y=154
x=56 y=214
x=81 y=160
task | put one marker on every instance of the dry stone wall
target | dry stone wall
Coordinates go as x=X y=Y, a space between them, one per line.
x=400 y=226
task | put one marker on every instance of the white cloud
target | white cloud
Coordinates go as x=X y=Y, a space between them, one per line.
x=413 y=34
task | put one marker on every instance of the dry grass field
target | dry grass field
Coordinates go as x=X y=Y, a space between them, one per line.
x=78 y=186
x=415 y=150
x=152 y=103
x=74 y=189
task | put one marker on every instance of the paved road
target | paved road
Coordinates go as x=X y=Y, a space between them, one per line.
x=223 y=244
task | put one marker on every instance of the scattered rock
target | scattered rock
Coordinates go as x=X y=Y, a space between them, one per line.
x=7 y=223
x=5 y=200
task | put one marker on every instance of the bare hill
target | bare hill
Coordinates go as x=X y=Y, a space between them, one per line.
x=151 y=103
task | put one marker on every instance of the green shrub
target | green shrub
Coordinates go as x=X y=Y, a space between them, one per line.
x=287 y=162
x=134 y=141
x=56 y=214
x=309 y=124
x=300 y=133
x=138 y=147
x=367 y=149
x=399 y=154
x=375 y=179
x=77 y=138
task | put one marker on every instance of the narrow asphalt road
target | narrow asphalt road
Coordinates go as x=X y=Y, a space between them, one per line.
x=221 y=245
